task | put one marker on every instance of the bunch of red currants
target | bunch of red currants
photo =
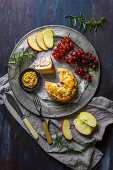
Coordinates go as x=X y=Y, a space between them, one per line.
x=81 y=58
x=65 y=45
x=83 y=73
x=84 y=62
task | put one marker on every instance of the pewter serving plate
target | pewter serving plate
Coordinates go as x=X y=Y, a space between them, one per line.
x=51 y=108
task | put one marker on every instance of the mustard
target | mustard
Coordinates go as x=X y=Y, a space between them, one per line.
x=30 y=79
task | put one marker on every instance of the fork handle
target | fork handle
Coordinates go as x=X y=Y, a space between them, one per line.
x=48 y=136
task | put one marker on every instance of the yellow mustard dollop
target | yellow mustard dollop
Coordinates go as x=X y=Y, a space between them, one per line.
x=30 y=79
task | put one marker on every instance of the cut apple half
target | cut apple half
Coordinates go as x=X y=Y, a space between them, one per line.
x=88 y=118
x=31 y=42
x=82 y=127
x=48 y=37
x=40 y=42
x=85 y=123
x=66 y=131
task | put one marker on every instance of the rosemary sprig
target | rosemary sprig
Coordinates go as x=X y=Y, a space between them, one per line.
x=87 y=84
x=86 y=23
x=18 y=57
x=61 y=144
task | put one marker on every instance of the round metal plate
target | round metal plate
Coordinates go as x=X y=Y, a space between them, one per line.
x=53 y=109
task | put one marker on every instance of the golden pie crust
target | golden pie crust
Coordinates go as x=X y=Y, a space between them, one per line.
x=64 y=90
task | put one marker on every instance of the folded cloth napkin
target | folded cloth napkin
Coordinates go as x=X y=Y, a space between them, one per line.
x=102 y=109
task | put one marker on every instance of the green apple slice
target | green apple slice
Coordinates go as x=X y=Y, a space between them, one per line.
x=48 y=38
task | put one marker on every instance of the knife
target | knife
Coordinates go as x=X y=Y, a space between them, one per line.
x=14 y=104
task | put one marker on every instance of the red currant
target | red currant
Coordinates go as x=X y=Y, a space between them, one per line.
x=65 y=38
x=71 y=44
x=79 y=54
x=75 y=58
x=94 y=58
x=68 y=48
x=91 y=65
x=83 y=61
x=88 y=76
x=83 y=56
x=75 y=53
x=89 y=54
x=96 y=62
x=81 y=70
x=81 y=51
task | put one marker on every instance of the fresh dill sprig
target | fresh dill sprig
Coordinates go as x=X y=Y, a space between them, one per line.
x=86 y=23
x=61 y=144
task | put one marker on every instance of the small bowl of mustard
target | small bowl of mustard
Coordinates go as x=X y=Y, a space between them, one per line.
x=29 y=79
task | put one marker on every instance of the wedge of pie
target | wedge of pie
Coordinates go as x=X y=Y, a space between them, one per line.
x=64 y=90
x=44 y=65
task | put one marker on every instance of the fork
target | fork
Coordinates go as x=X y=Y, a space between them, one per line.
x=38 y=106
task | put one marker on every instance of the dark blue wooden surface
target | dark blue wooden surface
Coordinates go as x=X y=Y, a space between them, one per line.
x=18 y=151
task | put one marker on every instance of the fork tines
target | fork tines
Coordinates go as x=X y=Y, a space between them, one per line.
x=37 y=102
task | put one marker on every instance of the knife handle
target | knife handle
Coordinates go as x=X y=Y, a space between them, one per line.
x=49 y=139
x=31 y=129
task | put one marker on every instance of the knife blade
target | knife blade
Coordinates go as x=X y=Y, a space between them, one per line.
x=14 y=104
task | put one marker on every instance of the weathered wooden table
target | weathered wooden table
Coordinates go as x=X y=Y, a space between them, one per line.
x=18 y=151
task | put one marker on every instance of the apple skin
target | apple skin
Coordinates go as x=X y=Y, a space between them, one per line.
x=62 y=127
x=66 y=136
x=38 y=49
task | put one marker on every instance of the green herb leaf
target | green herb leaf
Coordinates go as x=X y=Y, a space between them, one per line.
x=84 y=25
x=87 y=84
x=91 y=70
x=75 y=22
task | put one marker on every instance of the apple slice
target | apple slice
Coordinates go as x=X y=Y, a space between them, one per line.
x=40 y=42
x=66 y=131
x=31 y=42
x=85 y=123
x=48 y=37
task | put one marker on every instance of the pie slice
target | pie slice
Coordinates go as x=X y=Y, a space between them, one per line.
x=64 y=90
x=44 y=65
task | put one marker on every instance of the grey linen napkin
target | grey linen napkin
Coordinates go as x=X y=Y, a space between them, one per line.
x=102 y=109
